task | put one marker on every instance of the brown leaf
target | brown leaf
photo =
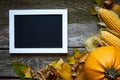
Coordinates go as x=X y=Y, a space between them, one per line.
x=80 y=75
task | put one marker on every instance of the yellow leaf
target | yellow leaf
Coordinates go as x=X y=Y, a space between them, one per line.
x=65 y=72
x=64 y=69
x=58 y=64
x=71 y=60
x=77 y=54
x=83 y=58
x=53 y=63
x=65 y=66
x=27 y=72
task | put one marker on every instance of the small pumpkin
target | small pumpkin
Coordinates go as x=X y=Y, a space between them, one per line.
x=103 y=64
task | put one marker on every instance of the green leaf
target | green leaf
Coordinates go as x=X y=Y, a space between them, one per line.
x=92 y=10
x=22 y=70
x=99 y=2
x=71 y=59
x=75 y=50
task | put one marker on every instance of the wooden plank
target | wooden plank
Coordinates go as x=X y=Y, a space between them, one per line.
x=4 y=36
x=77 y=33
x=35 y=61
x=73 y=6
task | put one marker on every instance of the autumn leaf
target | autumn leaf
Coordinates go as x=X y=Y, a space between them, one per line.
x=27 y=72
x=77 y=53
x=84 y=57
x=92 y=10
x=71 y=60
x=80 y=75
x=51 y=64
x=99 y=2
x=64 y=70
x=23 y=71
x=58 y=64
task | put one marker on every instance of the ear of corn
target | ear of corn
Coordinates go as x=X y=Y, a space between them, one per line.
x=112 y=21
x=116 y=8
x=110 y=39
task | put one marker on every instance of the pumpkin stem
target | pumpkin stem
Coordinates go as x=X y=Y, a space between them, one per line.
x=111 y=73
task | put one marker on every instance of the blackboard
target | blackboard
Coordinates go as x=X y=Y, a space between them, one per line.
x=43 y=32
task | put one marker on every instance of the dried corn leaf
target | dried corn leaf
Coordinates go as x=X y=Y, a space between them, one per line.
x=92 y=43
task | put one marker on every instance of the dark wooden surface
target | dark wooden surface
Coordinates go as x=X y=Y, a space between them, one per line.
x=81 y=24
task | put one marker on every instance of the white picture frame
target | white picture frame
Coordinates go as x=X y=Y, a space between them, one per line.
x=14 y=50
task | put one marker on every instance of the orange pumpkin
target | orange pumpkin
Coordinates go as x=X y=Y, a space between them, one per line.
x=103 y=64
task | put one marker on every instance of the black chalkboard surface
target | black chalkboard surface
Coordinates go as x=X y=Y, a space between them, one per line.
x=33 y=32
x=38 y=31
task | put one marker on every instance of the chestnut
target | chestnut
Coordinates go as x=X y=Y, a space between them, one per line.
x=108 y=4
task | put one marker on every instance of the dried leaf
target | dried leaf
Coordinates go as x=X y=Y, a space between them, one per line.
x=75 y=57
x=40 y=75
x=23 y=71
x=51 y=64
x=65 y=71
x=92 y=10
x=92 y=43
x=101 y=24
x=77 y=53
x=80 y=75
x=27 y=72
x=84 y=57
x=71 y=60
x=58 y=64
x=99 y=2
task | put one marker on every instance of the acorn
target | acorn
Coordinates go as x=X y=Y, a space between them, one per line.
x=50 y=75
